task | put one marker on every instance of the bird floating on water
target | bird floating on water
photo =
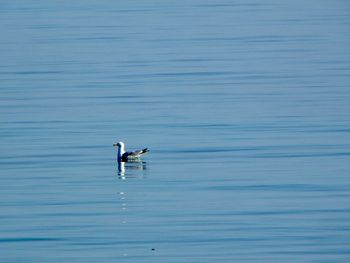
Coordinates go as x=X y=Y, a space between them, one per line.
x=124 y=156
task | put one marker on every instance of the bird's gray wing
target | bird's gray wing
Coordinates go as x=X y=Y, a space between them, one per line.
x=137 y=153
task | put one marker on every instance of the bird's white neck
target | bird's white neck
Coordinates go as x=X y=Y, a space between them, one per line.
x=121 y=151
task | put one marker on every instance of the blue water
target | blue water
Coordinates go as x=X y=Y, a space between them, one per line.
x=243 y=104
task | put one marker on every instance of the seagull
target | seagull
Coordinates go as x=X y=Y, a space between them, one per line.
x=124 y=156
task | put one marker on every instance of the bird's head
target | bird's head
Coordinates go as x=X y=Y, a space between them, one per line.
x=119 y=144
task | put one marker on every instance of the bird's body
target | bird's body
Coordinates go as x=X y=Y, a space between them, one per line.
x=124 y=156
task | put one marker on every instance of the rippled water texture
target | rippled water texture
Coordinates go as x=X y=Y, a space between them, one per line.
x=243 y=104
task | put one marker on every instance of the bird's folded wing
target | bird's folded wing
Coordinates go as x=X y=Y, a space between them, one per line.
x=138 y=153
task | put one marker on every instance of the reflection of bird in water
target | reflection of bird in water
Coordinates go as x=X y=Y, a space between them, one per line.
x=133 y=168
x=124 y=156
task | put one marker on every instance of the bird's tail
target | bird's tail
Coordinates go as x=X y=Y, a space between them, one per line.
x=144 y=151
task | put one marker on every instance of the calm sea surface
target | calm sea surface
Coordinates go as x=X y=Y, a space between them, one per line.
x=245 y=106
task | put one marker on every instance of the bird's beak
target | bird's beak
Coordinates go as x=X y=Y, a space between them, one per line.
x=115 y=144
